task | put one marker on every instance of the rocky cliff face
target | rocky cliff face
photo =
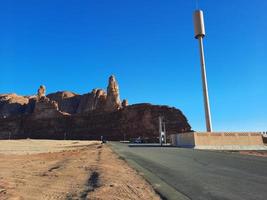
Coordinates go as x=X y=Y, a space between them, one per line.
x=140 y=120
x=67 y=101
x=95 y=100
x=86 y=116
x=46 y=108
x=13 y=105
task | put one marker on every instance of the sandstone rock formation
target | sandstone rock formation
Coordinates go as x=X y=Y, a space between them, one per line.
x=113 y=97
x=13 y=105
x=67 y=101
x=41 y=92
x=46 y=108
x=124 y=103
x=87 y=116
x=95 y=100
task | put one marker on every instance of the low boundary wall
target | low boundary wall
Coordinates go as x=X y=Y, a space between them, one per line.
x=219 y=140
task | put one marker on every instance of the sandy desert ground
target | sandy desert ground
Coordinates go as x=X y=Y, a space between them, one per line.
x=43 y=169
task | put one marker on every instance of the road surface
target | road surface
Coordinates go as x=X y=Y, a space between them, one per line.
x=178 y=173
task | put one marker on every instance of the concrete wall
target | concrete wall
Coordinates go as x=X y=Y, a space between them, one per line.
x=185 y=140
x=219 y=140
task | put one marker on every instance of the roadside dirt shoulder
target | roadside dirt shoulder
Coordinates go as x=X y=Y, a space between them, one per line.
x=90 y=171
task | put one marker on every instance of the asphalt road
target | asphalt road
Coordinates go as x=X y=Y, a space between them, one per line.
x=178 y=173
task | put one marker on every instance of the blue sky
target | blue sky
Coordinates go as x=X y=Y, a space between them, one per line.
x=149 y=46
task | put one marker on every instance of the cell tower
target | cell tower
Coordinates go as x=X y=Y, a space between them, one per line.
x=199 y=34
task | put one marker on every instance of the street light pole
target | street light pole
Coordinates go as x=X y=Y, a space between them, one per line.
x=199 y=34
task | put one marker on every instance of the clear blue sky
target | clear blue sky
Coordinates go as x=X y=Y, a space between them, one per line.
x=149 y=46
